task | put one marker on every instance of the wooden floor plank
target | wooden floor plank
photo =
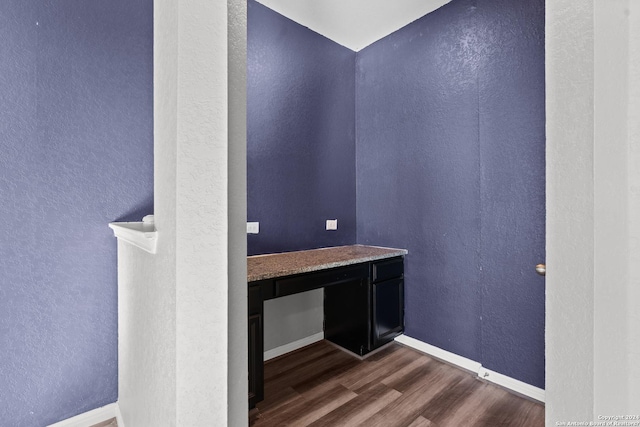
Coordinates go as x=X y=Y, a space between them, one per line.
x=314 y=370
x=470 y=413
x=410 y=377
x=397 y=387
x=450 y=399
x=300 y=357
x=357 y=377
x=414 y=399
x=364 y=378
x=394 y=378
x=422 y=422
x=360 y=408
x=509 y=411
x=310 y=406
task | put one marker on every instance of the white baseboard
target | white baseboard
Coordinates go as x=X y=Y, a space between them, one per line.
x=439 y=353
x=95 y=416
x=284 y=349
x=475 y=367
x=512 y=384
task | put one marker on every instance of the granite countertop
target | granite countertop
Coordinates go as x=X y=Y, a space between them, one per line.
x=260 y=267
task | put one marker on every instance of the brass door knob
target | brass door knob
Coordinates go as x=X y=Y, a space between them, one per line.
x=541 y=269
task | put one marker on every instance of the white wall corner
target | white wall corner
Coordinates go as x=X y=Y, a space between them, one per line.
x=504 y=381
x=95 y=416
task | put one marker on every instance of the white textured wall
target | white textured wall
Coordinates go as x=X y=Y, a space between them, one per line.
x=146 y=337
x=570 y=220
x=147 y=283
x=593 y=206
x=183 y=311
x=633 y=188
x=610 y=207
x=201 y=215
x=237 y=170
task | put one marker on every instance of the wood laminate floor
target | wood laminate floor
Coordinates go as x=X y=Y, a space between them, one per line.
x=321 y=385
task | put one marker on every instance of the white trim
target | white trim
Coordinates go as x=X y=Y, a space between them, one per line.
x=447 y=356
x=141 y=234
x=284 y=349
x=95 y=416
x=512 y=384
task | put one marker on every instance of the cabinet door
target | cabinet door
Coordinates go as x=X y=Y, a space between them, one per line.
x=256 y=351
x=346 y=316
x=388 y=310
x=255 y=362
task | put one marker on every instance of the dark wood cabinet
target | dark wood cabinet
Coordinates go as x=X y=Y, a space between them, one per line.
x=256 y=346
x=388 y=310
x=363 y=309
x=347 y=316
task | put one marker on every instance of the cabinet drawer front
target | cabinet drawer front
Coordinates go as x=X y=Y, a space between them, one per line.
x=314 y=280
x=388 y=269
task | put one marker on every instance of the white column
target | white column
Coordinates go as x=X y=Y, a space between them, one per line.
x=238 y=339
x=183 y=311
x=593 y=209
x=204 y=208
x=633 y=297
x=610 y=207
x=570 y=218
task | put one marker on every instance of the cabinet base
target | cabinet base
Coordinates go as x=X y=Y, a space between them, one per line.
x=357 y=356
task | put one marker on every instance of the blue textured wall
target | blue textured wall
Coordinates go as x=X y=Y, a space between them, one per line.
x=418 y=170
x=76 y=144
x=511 y=93
x=300 y=135
x=450 y=164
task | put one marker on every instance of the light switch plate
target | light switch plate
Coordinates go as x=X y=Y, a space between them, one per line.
x=253 y=227
x=332 y=224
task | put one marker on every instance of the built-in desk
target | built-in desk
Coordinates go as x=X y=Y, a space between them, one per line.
x=363 y=297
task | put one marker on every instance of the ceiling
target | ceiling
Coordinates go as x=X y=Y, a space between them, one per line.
x=354 y=23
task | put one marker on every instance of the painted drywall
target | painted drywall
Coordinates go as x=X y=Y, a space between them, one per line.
x=293 y=318
x=569 y=66
x=611 y=207
x=300 y=135
x=511 y=96
x=202 y=212
x=198 y=137
x=633 y=214
x=450 y=161
x=147 y=294
x=300 y=154
x=592 y=174
x=355 y=23
x=450 y=165
x=238 y=345
x=146 y=325
x=76 y=144
x=417 y=147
